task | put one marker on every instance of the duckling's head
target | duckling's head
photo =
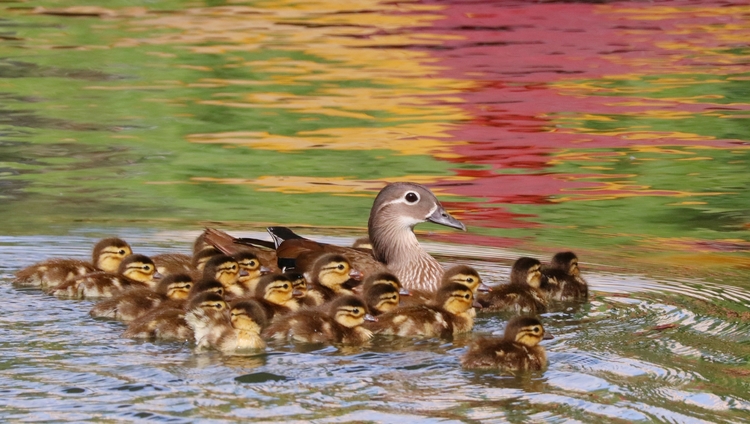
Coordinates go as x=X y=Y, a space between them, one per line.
x=527 y=331
x=381 y=298
x=385 y=278
x=526 y=271
x=277 y=289
x=212 y=303
x=201 y=257
x=567 y=262
x=139 y=268
x=248 y=315
x=455 y=298
x=224 y=269
x=250 y=267
x=333 y=270
x=299 y=284
x=350 y=311
x=466 y=275
x=210 y=285
x=175 y=286
x=109 y=253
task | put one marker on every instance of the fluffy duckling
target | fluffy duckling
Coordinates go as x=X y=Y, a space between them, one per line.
x=461 y=274
x=107 y=255
x=522 y=294
x=134 y=271
x=241 y=331
x=299 y=284
x=250 y=272
x=381 y=298
x=206 y=285
x=341 y=323
x=562 y=278
x=450 y=313
x=136 y=302
x=223 y=269
x=330 y=277
x=518 y=350
x=275 y=294
x=170 y=324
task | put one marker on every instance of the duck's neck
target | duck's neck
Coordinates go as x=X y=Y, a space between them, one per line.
x=394 y=244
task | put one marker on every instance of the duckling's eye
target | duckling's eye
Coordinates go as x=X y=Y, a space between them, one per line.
x=220 y=292
x=355 y=311
x=469 y=280
x=535 y=329
x=411 y=197
x=285 y=286
x=252 y=264
x=234 y=267
x=187 y=286
x=121 y=251
x=146 y=268
x=341 y=267
x=466 y=296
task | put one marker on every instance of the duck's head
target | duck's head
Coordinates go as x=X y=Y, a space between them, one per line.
x=466 y=275
x=250 y=267
x=224 y=269
x=567 y=262
x=384 y=278
x=248 y=315
x=202 y=256
x=212 y=303
x=350 y=311
x=139 y=268
x=299 y=284
x=526 y=271
x=109 y=253
x=175 y=286
x=277 y=289
x=381 y=298
x=527 y=331
x=455 y=298
x=210 y=285
x=333 y=270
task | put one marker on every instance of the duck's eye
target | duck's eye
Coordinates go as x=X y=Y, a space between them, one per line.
x=220 y=292
x=253 y=264
x=285 y=286
x=146 y=268
x=355 y=311
x=121 y=252
x=469 y=280
x=341 y=267
x=234 y=267
x=535 y=329
x=466 y=296
x=187 y=286
x=411 y=197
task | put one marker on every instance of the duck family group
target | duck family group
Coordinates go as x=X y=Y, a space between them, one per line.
x=235 y=294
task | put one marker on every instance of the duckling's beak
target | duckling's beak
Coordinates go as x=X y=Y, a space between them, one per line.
x=265 y=270
x=484 y=288
x=440 y=216
x=297 y=293
x=404 y=292
x=547 y=335
x=357 y=289
x=369 y=317
x=157 y=276
x=244 y=273
x=476 y=304
x=355 y=275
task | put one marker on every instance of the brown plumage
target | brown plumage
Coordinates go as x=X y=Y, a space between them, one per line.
x=451 y=313
x=173 y=263
x=275 y=293
x=461 y=274
x=136 y=302
x=381 y=298
x=223 y=269
x=332 y=276
x=518 y=350
x=227 y=245
x=251 y=270
x=340 y=323
x=561 y=279
x=107 y=255
x=299 y=284
x=170 y=324
x=521 y=295
x=229 y=334
x=134 y=271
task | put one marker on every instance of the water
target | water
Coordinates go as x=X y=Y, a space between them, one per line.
x=618 y=130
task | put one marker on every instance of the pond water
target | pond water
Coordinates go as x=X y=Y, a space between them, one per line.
x=620 y=130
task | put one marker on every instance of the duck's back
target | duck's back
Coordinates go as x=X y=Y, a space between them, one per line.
x=494 y=353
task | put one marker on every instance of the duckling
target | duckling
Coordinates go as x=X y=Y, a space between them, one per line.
x=330 y=276
x=386 y=278
x=275 y=294
x=223 y=269
x=522 y=294
x=170 y=324
x=107 y=255
x=518 y=350
x=134 y=271
x=561 y=279
x=248 y=280
x=241 y=331
x=133 y=303
x=299 y=285
x=449 y=314
x=381 y=298
x=461 y=274
x=341 y=324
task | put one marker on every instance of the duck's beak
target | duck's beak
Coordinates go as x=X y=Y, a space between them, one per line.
x=548 y=336
x=157 y=276
x=244 y=273
x=484 y=288
x=265 y=270
x=369 y=317
x=404 y=292
x=355 y=275
x=476 y=304
x=440 y=216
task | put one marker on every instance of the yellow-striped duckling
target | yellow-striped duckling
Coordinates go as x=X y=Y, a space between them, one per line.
x=518 y=350
x=561 y=278
x=206 y=285
x=331 y=277
x=250 y=272
x=340 y=323
x=522 y=294
x=299 y=284
x=240 y=331
x=170 y=324
x=134 y=271
x=136 y=302
x=223 y=269
x=382 y=292
x=452 y=312
x=461 y=274
x=107 y=255
x=275 y=294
